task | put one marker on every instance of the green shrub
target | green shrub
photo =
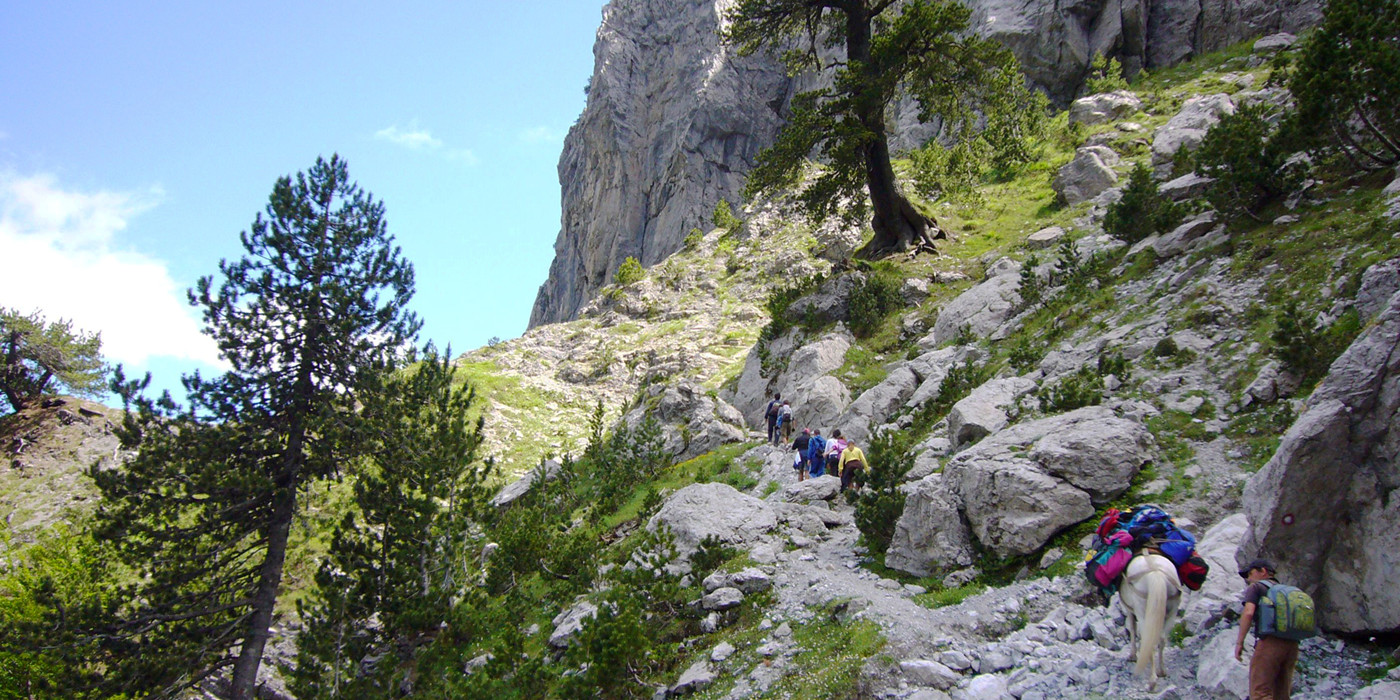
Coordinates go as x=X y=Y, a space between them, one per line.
x=628 y=272
x=1165 y=347
x=1346 y=82
x=1116 y=365
x=724 y=217
x=1105 y=75
x=1142 y=211
x=880 y=502
x=1032 y=288
x=873 y=301
x=1083 y=388
x=692 y=239
x=1246 y=159
x=1308 y=349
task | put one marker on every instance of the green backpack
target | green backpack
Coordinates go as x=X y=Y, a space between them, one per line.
x=1285 y=612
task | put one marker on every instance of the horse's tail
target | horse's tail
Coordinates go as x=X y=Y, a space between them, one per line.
x=1151 y=622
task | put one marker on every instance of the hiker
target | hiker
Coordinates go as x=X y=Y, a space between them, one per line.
x=852 y=462
x=1271 y=668
x=771 y=413
x=800 y=444
x=816 y=449
x=834 y=447
x=785 y=421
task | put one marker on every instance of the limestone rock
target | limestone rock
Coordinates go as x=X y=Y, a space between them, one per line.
x=932 y=367
x=514 y=491
x=722 y=599
x=1378 y=284
x=877 y=404
x=1012 y=507
x=822 y=488
x=1340 y=456
x=1188 y=186
x=1188 y=128
x=1274 y=43
x=981 y=309
x=1180 y=238
x=568 y=623
x=930 y=535
x=930 y=673
x=701 y=510
x=1383 y=690
x=1096 y=453
x=1103 y=107
x=1221 y=588
x=698 y=677
x=694 y=422
x=750 y=581
x=1219 y=674
x=817 y=398
x=831 y=301
x=1045 y=238
x=984 y=410
x=1087 y=176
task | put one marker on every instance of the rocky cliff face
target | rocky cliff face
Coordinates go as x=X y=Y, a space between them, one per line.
x=674 y=120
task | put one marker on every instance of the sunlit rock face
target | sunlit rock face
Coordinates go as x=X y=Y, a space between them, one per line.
x=675 y=119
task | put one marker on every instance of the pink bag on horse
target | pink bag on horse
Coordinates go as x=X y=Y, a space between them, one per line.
x=1108 y=564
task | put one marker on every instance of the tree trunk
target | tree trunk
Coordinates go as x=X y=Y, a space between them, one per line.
x=245 y=670
x=898 y=226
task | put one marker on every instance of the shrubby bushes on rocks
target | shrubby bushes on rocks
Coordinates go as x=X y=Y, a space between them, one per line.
x=1142 y=211
x=1248 y=161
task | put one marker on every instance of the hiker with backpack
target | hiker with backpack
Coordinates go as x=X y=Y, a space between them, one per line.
x=785 y=421
x=800 y=461
x=852 y=462
x=771 y=413
x=834 y=447
x=1281 y=616
x=816 y=449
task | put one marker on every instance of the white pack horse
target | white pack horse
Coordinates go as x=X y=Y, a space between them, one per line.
x=1151 y=593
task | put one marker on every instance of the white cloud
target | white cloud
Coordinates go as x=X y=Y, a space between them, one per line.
x=541 y=134
x=412 y=138
x=418 y=139
x=63 y=259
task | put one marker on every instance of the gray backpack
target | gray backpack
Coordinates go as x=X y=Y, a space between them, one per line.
x=1285 y=612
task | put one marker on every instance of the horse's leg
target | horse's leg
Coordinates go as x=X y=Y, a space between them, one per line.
x=1128 y=602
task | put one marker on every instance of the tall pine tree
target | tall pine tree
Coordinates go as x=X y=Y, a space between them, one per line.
x=396 y=564
x=315 y=311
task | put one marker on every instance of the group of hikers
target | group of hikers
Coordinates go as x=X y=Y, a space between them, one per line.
x=816 y=455
x=1280 y=615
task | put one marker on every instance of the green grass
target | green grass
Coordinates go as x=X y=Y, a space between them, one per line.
x=831 y=657
x=944 y=597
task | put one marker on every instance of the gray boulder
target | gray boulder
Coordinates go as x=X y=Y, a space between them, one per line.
x=722 y=599
x=1103 y=107
x=1188 y=186
x=1378 y=284
x=1045 y=238
x=817 y=398
x=1382 y=690
x=982 y=309
x=695 y=422
x=514 y=491
x=1022 y=485
x=702 y=510
x=984 y=411
x=568 y=623
x=1180 y=239
x=930 y=535
x=1219 y=674
x=1087 y=176
x=1274 y=43
x=822 y=488
x=1011 y=506
x=1340 y=456
x=932 y=367
x=698 y=677
x=831 y=301
x=1188 y=128
x=1221 y=588
x=877 y=404
x=930 y=673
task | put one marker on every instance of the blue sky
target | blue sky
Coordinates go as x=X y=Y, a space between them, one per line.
x=138 y=139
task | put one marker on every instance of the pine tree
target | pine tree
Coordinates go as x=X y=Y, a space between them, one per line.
x=1347 y=83
x=314 y=312
x=38 y=354
x=395 y=564
x=921 y=48
x=1142 y=211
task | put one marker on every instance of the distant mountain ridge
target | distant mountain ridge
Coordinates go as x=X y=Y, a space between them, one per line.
x=674 y=119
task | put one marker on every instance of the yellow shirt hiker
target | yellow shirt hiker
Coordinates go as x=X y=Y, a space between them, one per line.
x=852 y=460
